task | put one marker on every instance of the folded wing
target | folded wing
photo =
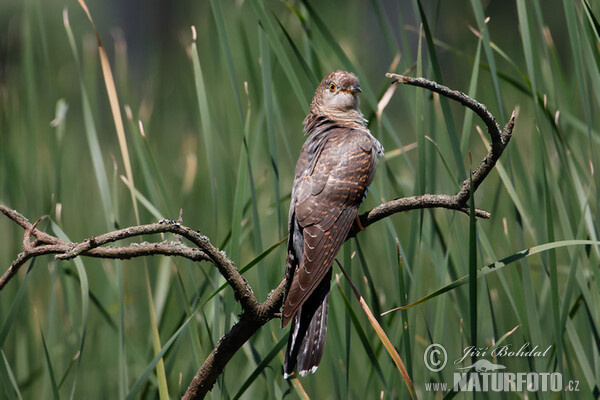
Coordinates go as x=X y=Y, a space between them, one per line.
x=327 y=193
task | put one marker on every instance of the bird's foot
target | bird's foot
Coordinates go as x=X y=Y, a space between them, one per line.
x=358 y=224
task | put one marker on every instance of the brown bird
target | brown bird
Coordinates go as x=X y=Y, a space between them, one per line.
x=335 y=168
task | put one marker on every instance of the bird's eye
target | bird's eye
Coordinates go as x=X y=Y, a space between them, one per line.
x=332 y=87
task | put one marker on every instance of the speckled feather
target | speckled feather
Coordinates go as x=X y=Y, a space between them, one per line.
x=335 y=168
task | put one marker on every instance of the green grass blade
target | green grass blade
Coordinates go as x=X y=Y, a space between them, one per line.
x=91 y=134
x=220 y=22
x=156 y=174
x=247 y=267
x=582 y=356
x=267 y=81
x=404 y=313
x=206 y=120
x=15 y=305
x=444 y=102
x=238 y=204
x=527 y=46
x=150 y=367
x=53 y=384
x=253 y=203
x=151 y=180
x=468 y=119
x=257 y=237
x=385 y=341
x=369 y=277
x=145 y=202
x=489 y=54
x=386 y=28
x=7 y=377
x=271 y=35
x=85 y=289
x=115 y=110
x=472 y=268
x=163 y=389
x=447 y=168
x=421 y=183
x=555 y=299
x=363 y=337
x=310 y=75
x=262 y=365
x=512 y=191
x=497 y=266
x=347 y=249
x=498 y=342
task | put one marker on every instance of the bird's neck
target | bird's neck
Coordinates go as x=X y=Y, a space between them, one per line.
x=347 y=118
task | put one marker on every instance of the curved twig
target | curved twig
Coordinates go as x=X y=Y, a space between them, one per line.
x=459 y=201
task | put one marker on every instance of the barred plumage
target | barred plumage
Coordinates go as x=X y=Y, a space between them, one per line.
x=335 y=168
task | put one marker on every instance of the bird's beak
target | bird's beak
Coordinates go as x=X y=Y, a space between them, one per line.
x=354 y=89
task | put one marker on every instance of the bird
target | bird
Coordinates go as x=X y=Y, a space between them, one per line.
x=336 y=165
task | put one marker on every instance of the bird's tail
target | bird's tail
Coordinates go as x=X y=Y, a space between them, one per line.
x=307 y=334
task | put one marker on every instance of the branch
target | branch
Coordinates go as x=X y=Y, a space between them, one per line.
x=48 y=244
x=230 y=343
x=254 y=314
x=458 y=202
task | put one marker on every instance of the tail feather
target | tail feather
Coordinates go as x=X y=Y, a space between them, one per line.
x=308 y=332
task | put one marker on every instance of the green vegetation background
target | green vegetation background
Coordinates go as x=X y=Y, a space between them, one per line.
x=223 y=128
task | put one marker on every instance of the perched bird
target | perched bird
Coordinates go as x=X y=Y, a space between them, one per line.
x=335 y=168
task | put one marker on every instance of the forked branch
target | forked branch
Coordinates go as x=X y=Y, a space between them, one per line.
x=459 y=201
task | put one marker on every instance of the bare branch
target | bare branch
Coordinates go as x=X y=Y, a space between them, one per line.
x=216 y=361
x=91 y=247
x=135 y=250
x=488 y=163
x=459 y=201
x=22 y=258
x=230 y=343
x=254 y=315
x=413 y=203
x=479 y=109
x=25 y=224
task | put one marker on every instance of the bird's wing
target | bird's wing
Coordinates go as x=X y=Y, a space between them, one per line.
x=325 y=202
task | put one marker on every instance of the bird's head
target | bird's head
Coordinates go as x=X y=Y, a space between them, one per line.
x=337 y=93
